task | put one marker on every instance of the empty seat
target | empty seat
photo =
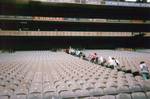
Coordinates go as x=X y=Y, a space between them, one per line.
x=139 y=79
x=21 y=91
x=6 y=92
x=18 y=97
x=3 y=83
x=36 y=88
x=135 y=88
x=82 y=93
x=134 y=85
x=88 y=86
x=90 y=98
x=67 y=94
x=100 y=85
x=135 y=71
x=12 y=87
x=110 y=90
x=35 y=91
x=138 y=95
x=4 y=97
x=75 y=86
x=62 y=87
x=123 y=89
x=111 y=83
x=93 y=81
x=123 y=96
x=97 y=92
x=35 y=96
x=148 y=95
x=49 y=89
x=108 y=97
x=47 y=96
x=146 y=85
x=81 y=82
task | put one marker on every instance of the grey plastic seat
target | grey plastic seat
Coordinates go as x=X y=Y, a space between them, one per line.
x=49 y=92
x=138 y=95
x=6 y=92
x=123 y=96
x=100 y=85
x=135 y=88
x=67 y=94
x=97 y=92
x=139 y=79
x=49 y=89
x=35 y=96
x=36 y=88
x=108 y=97
x=123 y=89
x=4 y=97
x=88 y=86
x=75 y=86
x=35 y=91
x=93 y=81
x=18 y=97
x=21 y=91
x=48 y=96
x=90 y=98
x=81 y=82
x=134 y=69
x=111 y=83
x=148 y=95
x=3 y=83
x=110 y=91
x=146 y=85
x=12 y=87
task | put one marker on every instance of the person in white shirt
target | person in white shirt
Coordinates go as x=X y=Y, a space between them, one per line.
x=71 y=51
x=78 y=53
x=110 y=62
x=113 y=63
x=101 y=61
x=144 y=70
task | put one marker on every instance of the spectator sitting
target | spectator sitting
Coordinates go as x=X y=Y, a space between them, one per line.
x=117 y=64
x=71 y=51
x=113 y=63
x=66 y=50
x=110 y=62
x=101 y=61
x=93 y=57
x=144 y=70
x=81 y=55
x=77 y=52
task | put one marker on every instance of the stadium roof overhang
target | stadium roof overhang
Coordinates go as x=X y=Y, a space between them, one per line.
x=74 y=10
x=73 y=26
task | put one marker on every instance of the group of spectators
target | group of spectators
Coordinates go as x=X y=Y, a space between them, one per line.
x=111 y=62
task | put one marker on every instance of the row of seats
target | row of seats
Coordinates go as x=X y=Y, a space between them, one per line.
x=57 y=75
